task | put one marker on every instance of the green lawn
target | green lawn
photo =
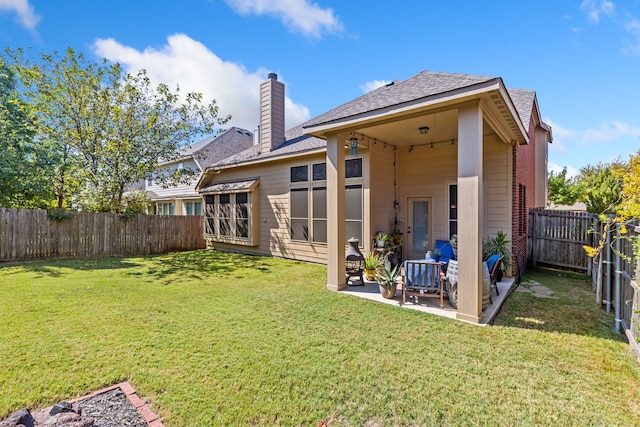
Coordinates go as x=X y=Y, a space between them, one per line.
x=211 y=338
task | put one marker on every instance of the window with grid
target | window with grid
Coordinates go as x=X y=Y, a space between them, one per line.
x=308 y=201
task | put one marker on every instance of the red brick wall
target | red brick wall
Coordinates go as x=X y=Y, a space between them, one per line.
x=524 y=178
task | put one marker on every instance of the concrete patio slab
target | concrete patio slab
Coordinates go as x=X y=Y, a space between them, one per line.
x=371 y=292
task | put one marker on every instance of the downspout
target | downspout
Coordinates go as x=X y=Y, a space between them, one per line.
x=618 y=291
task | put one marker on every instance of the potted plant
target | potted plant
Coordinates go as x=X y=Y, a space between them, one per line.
x=387 y=281
x=436 y=253
x=381 y=239
x=498 y=245
x=372 y=262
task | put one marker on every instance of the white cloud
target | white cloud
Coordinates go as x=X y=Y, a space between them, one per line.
x=298 y=15
x=191 y=65
x=632 y=47
x=26 y=13
x=373 y=85
x=609 y=131
x=560 y=136
x=594 y=8
x=571 y=171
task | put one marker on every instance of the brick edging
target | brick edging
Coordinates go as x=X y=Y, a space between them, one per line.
x=149 y=416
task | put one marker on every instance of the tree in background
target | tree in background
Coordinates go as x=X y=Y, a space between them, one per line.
x=22 y=163
x=563 y=190
x=602 y=187
x=107 y=129
x=630 y=206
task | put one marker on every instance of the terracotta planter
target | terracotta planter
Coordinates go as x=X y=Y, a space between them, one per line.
x=386 y=293
x=370 y=274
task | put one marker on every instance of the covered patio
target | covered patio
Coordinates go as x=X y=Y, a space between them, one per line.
x=437 y=151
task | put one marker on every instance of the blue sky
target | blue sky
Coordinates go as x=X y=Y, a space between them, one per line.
x=582 y=57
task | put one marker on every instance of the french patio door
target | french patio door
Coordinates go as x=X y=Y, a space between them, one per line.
x=419 y=227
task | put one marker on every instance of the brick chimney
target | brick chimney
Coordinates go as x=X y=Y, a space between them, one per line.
x=271 y=113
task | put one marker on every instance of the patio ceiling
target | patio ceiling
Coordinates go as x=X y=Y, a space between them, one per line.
x=443 y=127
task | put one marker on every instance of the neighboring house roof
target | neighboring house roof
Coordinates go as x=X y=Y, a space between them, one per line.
x=295 y=143
x=215 y=148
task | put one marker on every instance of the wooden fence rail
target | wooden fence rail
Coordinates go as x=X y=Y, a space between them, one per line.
x=27 y=234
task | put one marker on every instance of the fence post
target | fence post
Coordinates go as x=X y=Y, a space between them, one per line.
x=618 y=290
x=534 y=243
x=607 y=264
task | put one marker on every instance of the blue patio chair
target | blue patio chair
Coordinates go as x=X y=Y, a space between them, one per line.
x=446 y=249
x=423 y=278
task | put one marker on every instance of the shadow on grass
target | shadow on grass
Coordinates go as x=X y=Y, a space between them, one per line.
x=52 y=268
x=570 y=309
x=192 y=265
x=204 y=263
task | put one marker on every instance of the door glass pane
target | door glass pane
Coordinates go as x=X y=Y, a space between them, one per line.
x=420 y=226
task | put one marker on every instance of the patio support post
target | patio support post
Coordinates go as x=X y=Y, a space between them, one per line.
x=336 y=239
x=470 y=209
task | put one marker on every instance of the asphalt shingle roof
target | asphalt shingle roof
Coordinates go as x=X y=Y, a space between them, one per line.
x=295 y=142
x=523 y=101
x=423 y=85
x=218 y=147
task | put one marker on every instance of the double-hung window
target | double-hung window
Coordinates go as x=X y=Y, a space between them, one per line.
x=167 y=208
x=193 y=208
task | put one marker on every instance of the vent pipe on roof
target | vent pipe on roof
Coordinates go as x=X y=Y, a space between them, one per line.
x=271 y=113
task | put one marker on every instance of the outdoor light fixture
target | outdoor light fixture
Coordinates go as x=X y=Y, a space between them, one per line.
x=424 y=130
x=353 y=146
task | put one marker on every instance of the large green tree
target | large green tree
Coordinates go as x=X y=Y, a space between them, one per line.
x=108 y=129
x=563 y=190
x=602 y=187
x=22 y=163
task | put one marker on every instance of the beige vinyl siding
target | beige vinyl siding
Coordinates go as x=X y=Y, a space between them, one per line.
x=381 y=190
x=497 y=187
x=427 y=172
x=273 y=207
x=181 y=189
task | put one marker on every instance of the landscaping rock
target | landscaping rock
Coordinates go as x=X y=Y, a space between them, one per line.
x=69 y=419
x=21 y=418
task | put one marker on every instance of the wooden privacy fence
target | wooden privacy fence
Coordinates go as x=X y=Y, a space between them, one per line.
x=556 y=238
x=27 y=234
